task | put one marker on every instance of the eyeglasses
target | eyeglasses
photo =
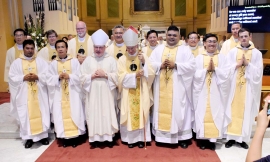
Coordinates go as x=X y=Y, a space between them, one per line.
x=96 y=47
x=244 y=36
x=118 y=33
x=174 y=35
x=52 y=36
x=211 y=41
x=194 y=38
x=80 y=28
x=17 y=36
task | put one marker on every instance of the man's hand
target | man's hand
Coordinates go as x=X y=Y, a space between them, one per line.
x=239 y=64
x=170 y=64
x=81 y=58
x=163 y=65
x=141 y=58
x=33 y=77
x=63 y=76
x=245 y=62
x=100 y=73
x=209 y=68
x=212 y=65
x=139 y=73
x=27 y=77
x=262 y=119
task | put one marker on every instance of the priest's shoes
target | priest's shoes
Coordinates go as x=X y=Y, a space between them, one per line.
x=140 y=144
x=201 y=144
x=230 y=143
x=212 y=146
x=110 y=144
x=93 y=144
x=44 y=141
x=130 y=145
x=183 y=144
x=28 y=143
x=243 y=145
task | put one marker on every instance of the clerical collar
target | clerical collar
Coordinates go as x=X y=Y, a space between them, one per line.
x=19 y=46
x=133 y=54
x=193 y=48
x=152 y=47
x=236 y=40
x=119 y=45
x=28 y=58
x=81 y=39
x=246 y=46
x=172 y=46
x=63 y=59
x=210 y=54
x=52 y=47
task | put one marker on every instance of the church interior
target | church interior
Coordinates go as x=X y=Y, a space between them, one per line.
x=201 y=16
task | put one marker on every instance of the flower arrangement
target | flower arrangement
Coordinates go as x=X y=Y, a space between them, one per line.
x=36 y=30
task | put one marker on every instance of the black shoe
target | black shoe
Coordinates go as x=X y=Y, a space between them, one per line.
x=28 y=143
x=74 y=142
x=183 y=144
x=64 y=143
x=230 y=143
x=201 y=144
x=212 y=146
x=140 y=144
x=110 y=144
x=130 y=145
x=243 y=145
x=93 y=144
x=44 y=141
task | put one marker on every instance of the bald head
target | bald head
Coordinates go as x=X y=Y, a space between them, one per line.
x=81 y=29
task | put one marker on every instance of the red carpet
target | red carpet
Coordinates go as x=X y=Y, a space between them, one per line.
x=4 y=97
x=153 y=153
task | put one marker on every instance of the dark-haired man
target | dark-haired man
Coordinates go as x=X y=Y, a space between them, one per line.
x=210 y=90
x=245 y=91
x=65 y=96
x=152 y=38
x=29 y=98
x=118 y=47
x=15 y=51
x=48 y=52
x=174 y=66
x=193 y=41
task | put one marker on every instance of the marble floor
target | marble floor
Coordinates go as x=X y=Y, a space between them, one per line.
x=12 y=148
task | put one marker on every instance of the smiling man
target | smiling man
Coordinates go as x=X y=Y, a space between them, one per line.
x=174 y=66
x=29 y=98
x=82 y=41
x=15 y=51
x=193 y=41
x=152 y=38
x=49 y=52
x=99 y=81
x=245 y=91
x=65 y=96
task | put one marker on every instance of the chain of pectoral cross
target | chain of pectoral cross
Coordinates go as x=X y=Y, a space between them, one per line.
x=167 y=77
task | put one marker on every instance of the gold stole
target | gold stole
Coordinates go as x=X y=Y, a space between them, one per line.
x=70 y=128
x=17 y=51
x=166 y=91
x=134 y=94
x=210 y=129
x=35 y=118
x=51 y=51
x=82 y=45
x=233 y=43
x=117 y=50
x=149 y=51
x=195 y=52
x=238 y=103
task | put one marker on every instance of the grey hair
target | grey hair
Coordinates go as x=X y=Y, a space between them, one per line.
x=118 y=26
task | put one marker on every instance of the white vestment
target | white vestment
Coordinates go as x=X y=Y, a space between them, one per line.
x=72 y=47
x=44 y=53
x=19 y=98
x=99 y=102
x=253 y=76
x=181 y=104
x=129 y=81
x=75 y=97
x=219 y=91
x=10 y=57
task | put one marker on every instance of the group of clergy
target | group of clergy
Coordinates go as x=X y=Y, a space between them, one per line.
x=119 y=86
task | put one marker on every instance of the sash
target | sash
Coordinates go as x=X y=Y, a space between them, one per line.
x=82 y=45
x=51 y=51
x=119 y=50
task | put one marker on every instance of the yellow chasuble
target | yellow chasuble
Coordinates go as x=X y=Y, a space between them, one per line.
x=238 y=103
x=35 y=118
x=210 y=129
x=82 y=45
x=51 y=51
x=233 y=43
x=119 y=50
x=166 y=91
x=70 y=128
x=134 y=94
x=17 y=52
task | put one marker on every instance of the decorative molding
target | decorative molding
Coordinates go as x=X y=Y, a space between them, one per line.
x=148 y=10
